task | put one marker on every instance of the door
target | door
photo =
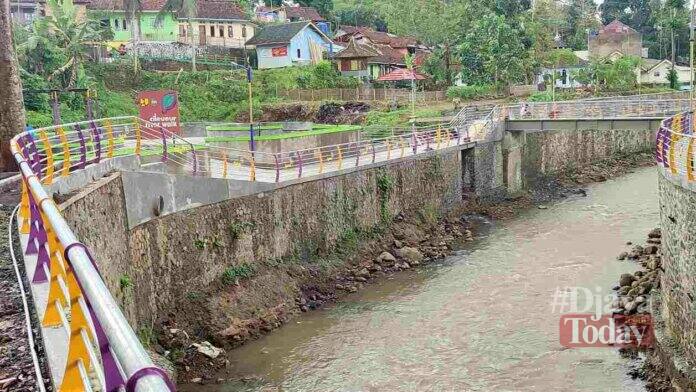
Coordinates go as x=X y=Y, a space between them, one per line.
x=201 y=35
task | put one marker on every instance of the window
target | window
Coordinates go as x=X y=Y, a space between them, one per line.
x=156 y=23
x=657 y=74
x=182 y=30
x=354 y=65
x=564 y=76
x=299 y=54
x=244 y=31
x=230 y=31
x=102 y=23
x=221 y=31
x=116 y=24
x=125 y=24
x=212 y=31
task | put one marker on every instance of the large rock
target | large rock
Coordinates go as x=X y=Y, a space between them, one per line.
x=655 y=233
x=207 y=349
x=626 y=279
x=412 y=255
x=386 y=257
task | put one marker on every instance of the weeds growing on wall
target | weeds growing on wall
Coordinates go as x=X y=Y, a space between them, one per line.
x=237 y=228
x=385 y=184
x=234 y=272
x=125 y=282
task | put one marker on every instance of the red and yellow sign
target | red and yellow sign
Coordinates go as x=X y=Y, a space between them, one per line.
x=160 y=107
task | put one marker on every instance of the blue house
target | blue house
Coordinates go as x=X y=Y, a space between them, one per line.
x=288 y=44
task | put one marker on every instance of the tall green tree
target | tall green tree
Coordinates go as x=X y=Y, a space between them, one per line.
x=492 y=52
x=11 y=102
x=580 y=18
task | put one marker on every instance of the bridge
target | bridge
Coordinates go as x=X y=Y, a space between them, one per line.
x=89 y=341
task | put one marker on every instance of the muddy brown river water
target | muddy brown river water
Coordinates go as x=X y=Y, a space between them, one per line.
x=477 y=321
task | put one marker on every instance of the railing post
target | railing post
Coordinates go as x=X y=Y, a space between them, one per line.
x=164 y=145
x=97 y=141
x=357 y=154
x=83 y=147
x=373 y=151
x=299 y=161
x=277 y=167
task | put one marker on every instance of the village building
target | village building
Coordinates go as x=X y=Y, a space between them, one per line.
x=353 y=60
x=290 y=11
x=610 y=43
x=288 y=44
x=217 y=23
x=616 y=37
x=24 y=11
x=152 y=27
x=655 y=72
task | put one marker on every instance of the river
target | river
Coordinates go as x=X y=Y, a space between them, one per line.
x=480 y=320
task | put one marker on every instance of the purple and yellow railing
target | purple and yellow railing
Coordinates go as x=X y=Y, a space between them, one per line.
x=102 y=351
x=674 y=145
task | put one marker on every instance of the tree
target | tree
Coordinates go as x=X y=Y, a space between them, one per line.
x=673 y=78
x=580 y=18
x=187 y=9
x=133 y=9
x=63 y=30
x=11 y=108
x=492 y=52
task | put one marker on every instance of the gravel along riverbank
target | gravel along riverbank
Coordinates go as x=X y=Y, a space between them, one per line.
x=16 y=364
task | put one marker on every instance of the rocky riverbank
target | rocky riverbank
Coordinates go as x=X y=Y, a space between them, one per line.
x=409 y=242
x=633 y=297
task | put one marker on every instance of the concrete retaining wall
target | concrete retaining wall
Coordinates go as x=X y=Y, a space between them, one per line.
x=171 y=259
x=678 y=281
x=568 y=144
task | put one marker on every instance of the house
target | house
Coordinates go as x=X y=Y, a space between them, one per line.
x=367 y=35
x=24 y=11
x=287 y=44
x=290 y=11
x=564 y=77
x=616 y=37
x=152 y=27
x=353 y=60
x=655 y=72
x=217 y=23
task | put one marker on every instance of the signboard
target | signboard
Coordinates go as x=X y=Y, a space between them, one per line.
x=160 y=107
x=279 y=52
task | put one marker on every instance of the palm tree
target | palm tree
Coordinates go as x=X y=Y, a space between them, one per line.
x=133 y=10
x=64 y=29
x=187 y=9
x=11 y=101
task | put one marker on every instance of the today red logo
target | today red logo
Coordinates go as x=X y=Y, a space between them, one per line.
x=588 y=330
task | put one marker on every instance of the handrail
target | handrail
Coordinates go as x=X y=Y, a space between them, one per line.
x=96 y=317
x=45 y=155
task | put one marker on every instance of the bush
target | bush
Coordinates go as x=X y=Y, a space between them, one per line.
x=471 y=92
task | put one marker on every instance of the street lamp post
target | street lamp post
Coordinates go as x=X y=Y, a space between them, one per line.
x=251 y=110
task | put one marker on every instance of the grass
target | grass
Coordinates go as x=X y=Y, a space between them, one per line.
x=318 y=130
x=232 y=273
x=241 y=127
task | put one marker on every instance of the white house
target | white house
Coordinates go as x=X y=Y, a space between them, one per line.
x=655 y=72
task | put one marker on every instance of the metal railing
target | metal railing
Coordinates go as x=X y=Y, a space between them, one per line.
x=625 y=108
x=674 y=146
x=103 y=352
